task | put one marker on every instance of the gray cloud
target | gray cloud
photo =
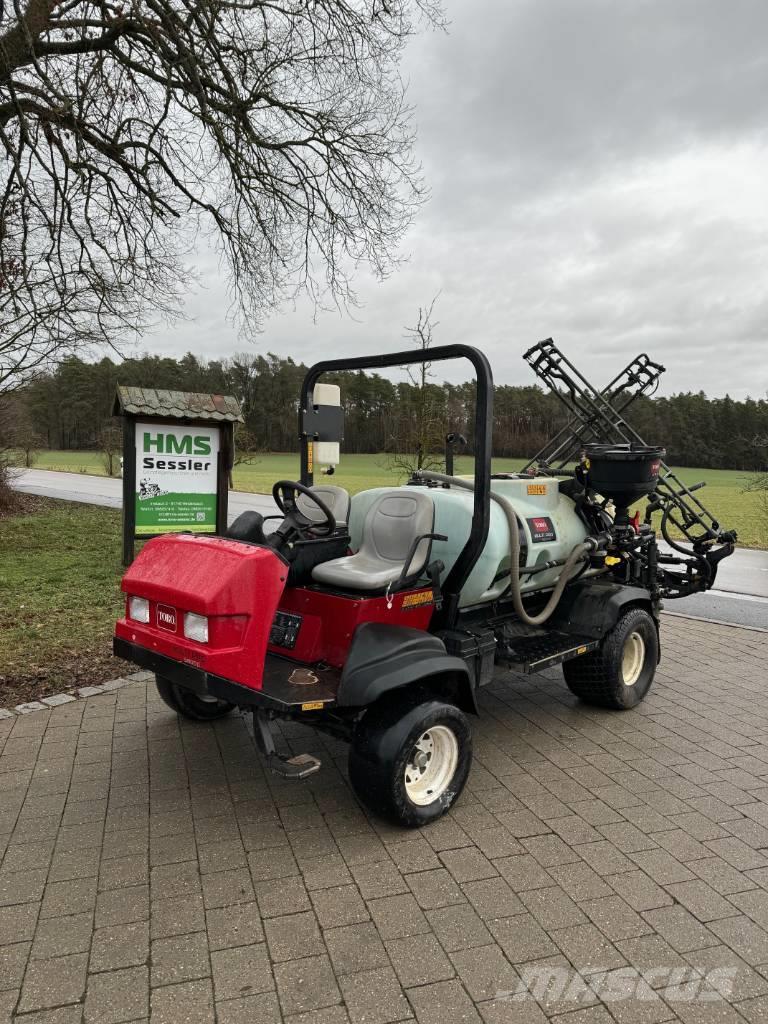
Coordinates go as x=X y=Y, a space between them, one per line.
x=598 y=173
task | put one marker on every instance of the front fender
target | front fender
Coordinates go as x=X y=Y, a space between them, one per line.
x=384 y=658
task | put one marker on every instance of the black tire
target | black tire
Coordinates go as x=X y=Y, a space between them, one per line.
x=185 y=702
x=599 y=677
x=383 y=744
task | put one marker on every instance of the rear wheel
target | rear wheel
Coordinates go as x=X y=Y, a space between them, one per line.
x=408 y=761
x=200 y=708
x=620 y=673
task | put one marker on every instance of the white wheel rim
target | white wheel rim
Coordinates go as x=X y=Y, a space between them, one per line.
x=633 y=659
x=431 y=765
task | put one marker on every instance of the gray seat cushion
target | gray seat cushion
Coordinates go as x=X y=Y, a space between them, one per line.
x=335 y=498
x=393 y=523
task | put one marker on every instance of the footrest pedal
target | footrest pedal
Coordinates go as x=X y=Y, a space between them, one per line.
x=297 y=767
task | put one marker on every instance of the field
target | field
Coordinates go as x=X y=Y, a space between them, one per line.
x=59 y=598
x=724 y=494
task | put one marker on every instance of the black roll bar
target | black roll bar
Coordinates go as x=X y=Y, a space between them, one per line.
x=481 y=516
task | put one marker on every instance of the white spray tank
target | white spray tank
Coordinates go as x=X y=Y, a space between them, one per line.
x=550 y=528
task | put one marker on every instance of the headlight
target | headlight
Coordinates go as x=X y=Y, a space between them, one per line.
x=196 y=627
x=138 y=609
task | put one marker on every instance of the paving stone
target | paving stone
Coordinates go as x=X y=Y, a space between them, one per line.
x=523 y=872
x=338 y=906
x=281 y=896
x=458 y=927
x=374 y=997
x=484 y=971
x=293 y=936
x=242 y=971
x=397 y=916
x=259 y=1009
x=188 y=1003
x=49 y=983
x=492 y=898
x=13 y=960
x=178 y=916
x=443 y=1003
x=468 y=865
x=379 y=879
x=640 y=891
x=117 y=996
x=434 y=889
x=680 y=929
x=180 y=958
x=552 y=907
x=122 y=906
x=238 y=925
x=116 y=946
x=615 y=918
x=306 y=984
x=75 y=896
x=521 y=938
x=587 y=948
x=419 y=960
x=18 y=923
x=355 y=947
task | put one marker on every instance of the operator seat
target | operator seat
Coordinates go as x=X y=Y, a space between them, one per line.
x=335 y=498
x=391 y=531
x=249 y=526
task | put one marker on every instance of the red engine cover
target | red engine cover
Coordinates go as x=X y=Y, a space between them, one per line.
x=236 y=586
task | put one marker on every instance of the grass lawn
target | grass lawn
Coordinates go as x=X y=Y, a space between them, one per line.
x=724 y=494
x=59 y=598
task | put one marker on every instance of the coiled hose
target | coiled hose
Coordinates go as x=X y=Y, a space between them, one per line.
x=577 y=555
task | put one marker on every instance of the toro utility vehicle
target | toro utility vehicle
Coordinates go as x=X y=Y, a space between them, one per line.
x=378 y=619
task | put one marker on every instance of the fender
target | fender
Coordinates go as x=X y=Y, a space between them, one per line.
x=383 y=658
x=593 y=608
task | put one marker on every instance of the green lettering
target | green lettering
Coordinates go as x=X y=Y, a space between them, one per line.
x=202 y=445
x=153 y=442
x=181 y=446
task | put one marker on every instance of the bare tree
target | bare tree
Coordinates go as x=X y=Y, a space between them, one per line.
x=419 y=440
x=279 y=127
x=111 y=448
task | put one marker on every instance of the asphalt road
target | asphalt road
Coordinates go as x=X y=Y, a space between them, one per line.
x=741 y=596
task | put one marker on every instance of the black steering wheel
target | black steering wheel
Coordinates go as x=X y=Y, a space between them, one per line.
x=284 y=493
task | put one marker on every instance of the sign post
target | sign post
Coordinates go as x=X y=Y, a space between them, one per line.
x=178 y=452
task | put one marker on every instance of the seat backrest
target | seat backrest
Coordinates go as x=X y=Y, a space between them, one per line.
x=393 y=523
x=335 y=498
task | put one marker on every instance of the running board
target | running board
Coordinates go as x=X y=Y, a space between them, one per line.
x=534 y=653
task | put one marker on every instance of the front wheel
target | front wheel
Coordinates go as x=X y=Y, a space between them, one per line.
x=409 y=762
x=620 y=672
x=191 y=705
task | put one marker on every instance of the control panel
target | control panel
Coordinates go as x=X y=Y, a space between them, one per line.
x=285 y=630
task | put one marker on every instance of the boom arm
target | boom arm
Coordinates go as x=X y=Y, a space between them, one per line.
x=597 y=416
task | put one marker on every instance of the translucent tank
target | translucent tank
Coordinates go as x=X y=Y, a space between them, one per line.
x=548 y=521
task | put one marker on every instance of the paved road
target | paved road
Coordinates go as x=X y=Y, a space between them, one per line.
x=744 y=574
x=596 y=869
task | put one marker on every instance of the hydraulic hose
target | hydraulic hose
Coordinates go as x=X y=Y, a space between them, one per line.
x=576 y=556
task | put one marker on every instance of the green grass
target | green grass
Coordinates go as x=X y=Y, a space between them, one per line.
x=59 y=598
x=724 y=494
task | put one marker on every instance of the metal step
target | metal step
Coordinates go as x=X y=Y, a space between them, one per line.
x=537 y=651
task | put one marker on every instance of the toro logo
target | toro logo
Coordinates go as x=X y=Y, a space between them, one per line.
x=542 y=529
x=166 y=617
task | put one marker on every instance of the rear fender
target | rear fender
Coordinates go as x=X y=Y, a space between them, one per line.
x=384 y=658
x=593 y=608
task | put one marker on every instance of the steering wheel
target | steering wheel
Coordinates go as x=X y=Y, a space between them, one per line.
x=284 y=493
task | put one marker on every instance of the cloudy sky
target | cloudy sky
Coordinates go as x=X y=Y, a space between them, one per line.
x=599 y=173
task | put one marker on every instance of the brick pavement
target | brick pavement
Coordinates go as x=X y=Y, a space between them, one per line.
x=151 y=871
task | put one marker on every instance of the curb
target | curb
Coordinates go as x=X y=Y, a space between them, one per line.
x=69 y=696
